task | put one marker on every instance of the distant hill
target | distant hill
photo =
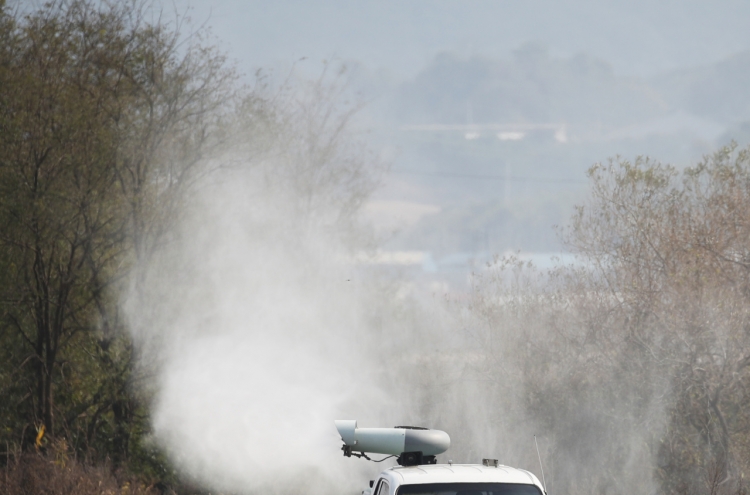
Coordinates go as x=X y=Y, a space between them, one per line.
x=499 y=193
x=532 y=86
x=719 y=91
x=581 y=91
x=638 y=37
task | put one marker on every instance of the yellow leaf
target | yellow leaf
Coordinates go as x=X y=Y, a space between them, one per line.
x=39 y=436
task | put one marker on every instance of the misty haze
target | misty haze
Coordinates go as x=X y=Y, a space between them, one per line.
x=226 y=224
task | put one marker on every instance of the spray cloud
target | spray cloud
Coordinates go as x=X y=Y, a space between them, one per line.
x=262 y=330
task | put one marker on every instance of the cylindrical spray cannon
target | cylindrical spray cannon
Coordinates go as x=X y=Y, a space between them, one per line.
x=412 y=444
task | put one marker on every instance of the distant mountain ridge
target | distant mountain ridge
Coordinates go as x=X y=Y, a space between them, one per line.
x=719 y=91
x=530 y=87
x=637 y=37
x=534 y=87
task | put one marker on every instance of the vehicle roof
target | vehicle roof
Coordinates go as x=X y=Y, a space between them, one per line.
x=459 y=473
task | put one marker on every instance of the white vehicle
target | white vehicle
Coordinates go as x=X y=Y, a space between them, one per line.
x=455 y=479
x=418 y=473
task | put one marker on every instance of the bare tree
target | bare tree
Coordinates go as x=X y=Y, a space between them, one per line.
x=635 y=362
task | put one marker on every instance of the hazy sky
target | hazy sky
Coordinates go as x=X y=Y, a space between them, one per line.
x=638 y=37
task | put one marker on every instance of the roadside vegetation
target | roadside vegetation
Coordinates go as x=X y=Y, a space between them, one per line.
x=110 y=117
x=636 y=359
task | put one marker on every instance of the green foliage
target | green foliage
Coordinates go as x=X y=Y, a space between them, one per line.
x=103 y=118
x=108 y=124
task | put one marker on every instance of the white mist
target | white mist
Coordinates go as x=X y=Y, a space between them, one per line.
x=256 y=328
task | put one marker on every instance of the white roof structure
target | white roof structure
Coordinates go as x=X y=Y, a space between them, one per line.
x=457 y=473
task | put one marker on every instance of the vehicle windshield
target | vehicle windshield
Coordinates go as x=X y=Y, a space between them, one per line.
x=468 y=489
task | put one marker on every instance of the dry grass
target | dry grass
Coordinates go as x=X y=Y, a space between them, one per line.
x=36 y=474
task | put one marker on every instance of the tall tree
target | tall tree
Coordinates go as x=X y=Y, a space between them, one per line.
x=672 y=250
x=635 y=363
x=103 y=118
